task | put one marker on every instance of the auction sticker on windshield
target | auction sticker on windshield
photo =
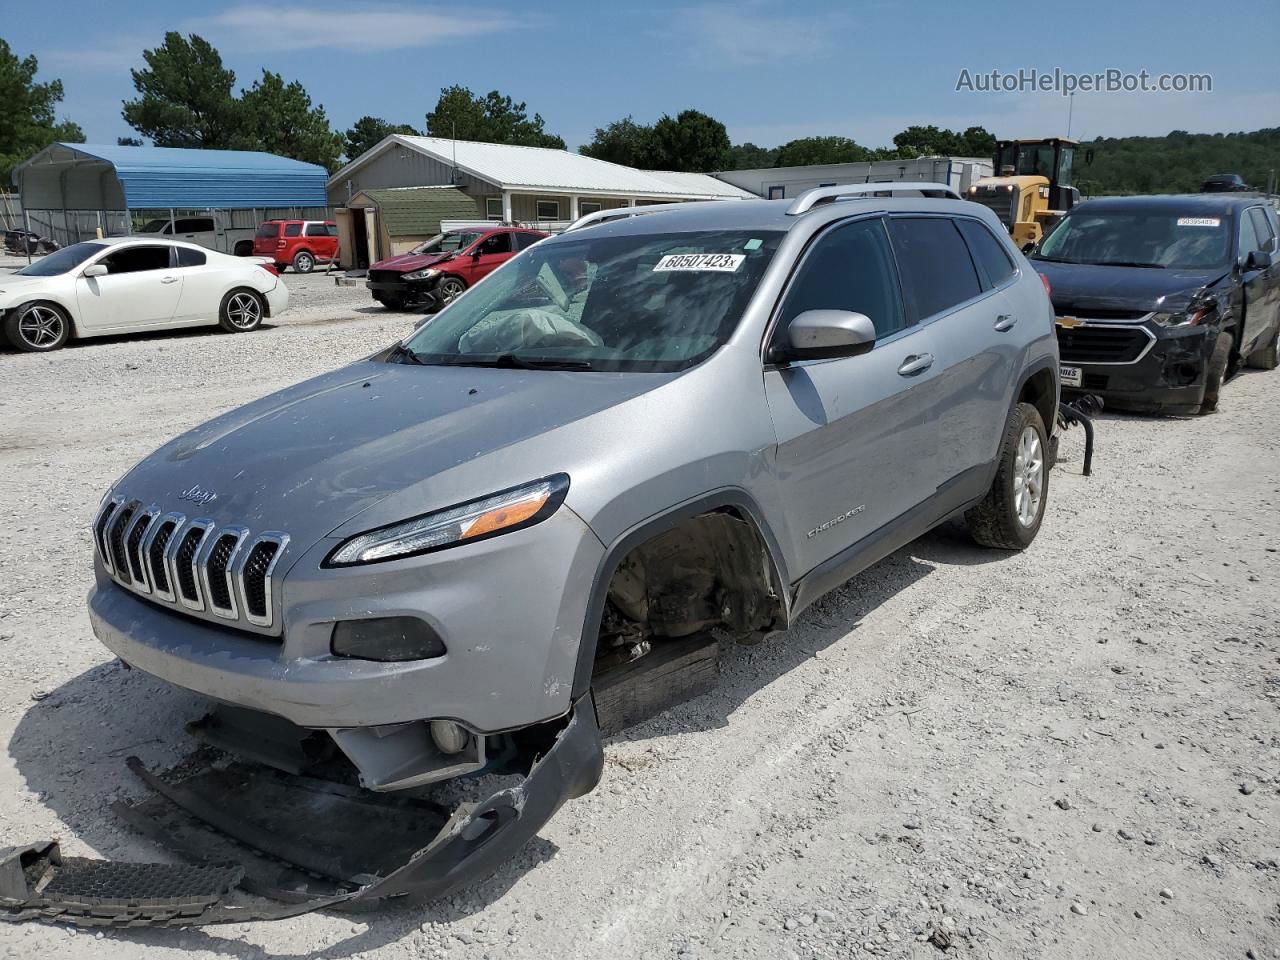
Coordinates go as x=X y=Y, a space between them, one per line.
x=1198 y=221
x=716 y=262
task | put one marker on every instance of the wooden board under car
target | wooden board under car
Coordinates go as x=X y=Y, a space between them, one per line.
x=671 y=673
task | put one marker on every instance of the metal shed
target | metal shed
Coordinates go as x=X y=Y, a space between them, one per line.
x=375 y=224
x=70 y=191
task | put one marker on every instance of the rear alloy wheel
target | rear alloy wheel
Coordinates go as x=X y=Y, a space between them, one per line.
x=450 y=289
x=37 y=327
x=241 y=311
x=1009 y=516
x=1216 y=373
x=303 y=262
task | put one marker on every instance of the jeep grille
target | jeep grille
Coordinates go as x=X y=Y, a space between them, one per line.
x=190 y=565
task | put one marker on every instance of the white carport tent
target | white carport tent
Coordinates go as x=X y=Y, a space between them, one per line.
x=520 y=176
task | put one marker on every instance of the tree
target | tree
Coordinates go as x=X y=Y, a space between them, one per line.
x=368 y=132
x=931 y=141
x=278 y=117
x=811 y=150
x=28 y=120
x=493 y=118
x=128 y=142
x=623 y=141
x=691 y=142
x=185 y=97
x=747 y=156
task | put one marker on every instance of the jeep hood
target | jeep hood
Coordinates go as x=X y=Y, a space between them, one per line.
x=1084 y=286
x=408 y=262
x=309 y=458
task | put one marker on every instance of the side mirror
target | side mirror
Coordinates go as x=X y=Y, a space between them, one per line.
x=1258 y=260
x=476 y=253
x=94 y=270
x=826 y=334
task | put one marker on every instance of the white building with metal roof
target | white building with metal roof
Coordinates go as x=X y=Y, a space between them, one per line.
x=534 y=185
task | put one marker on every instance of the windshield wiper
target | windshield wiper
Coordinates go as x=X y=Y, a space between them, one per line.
x=402 y=354
x=1123 y=263
x=1040 y=256
x=511 y=361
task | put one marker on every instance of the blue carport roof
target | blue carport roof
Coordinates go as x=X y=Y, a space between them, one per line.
x=187 y=178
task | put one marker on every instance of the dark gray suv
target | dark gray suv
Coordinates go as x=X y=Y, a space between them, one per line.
x=441 y=559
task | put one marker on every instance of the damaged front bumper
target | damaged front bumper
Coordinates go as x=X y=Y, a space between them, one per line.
x=1168 y=377
x=294 y=844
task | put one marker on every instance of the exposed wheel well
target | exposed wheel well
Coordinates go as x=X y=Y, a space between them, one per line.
x=243 y=248
x=1038 y=391
x=711 y=570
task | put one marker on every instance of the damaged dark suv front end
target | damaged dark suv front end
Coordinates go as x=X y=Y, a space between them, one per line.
x=1144 y=288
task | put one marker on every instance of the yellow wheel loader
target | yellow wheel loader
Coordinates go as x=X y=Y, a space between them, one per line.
x=1032 y=186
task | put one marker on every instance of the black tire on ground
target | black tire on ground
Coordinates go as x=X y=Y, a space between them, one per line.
x=243 y=248
x=303 y=262
x=37 y=327
x=1216 y=372
x=449 y=289
x=1265 y=357
x=1009 y=517
x=392 y=304
x=242 y=310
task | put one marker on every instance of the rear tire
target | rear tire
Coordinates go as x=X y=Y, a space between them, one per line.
x=243 y=248
x=1216 y=373
x=303 y=262
x=1009 y=517
x=241 y=311
x=1265 y=357
x=37 y=327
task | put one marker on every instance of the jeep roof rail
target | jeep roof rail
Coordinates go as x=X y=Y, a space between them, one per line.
x=619 y=213
x=812 y=198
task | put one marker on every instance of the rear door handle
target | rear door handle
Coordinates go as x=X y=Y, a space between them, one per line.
x=1005 y=322
x=916 y=363
x=169 y=280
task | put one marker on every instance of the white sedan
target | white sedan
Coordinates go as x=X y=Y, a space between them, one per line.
x=130 y=284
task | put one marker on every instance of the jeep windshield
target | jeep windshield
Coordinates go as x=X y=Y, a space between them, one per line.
x=655 y=302
x=1167 y=239
x=447 y=243
x=61 y=261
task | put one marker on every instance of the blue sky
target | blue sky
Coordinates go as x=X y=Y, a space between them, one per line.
x=769 y=71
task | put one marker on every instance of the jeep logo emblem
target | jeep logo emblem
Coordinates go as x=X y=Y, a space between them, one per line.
x=197 y=494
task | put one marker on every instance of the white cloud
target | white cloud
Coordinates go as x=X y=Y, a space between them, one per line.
x=748 y=33
x=363 y=29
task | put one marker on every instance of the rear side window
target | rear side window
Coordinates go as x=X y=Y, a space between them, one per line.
x=195 y=225
x=987 y=252
x=526 y=240
x=1262 y=227
x=136 y=259
x=937 y=271
x=292 y=229
x=190 y=258
x=849 y=268
x=317 y=230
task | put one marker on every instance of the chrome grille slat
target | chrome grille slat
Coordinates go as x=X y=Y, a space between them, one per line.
x=192 y=565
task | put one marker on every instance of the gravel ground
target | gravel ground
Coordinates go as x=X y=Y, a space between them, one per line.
x=1068 y=753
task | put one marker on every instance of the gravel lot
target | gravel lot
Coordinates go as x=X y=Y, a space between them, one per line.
x=1068 y=753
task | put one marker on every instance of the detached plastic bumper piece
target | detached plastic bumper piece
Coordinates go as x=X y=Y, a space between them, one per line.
x=280 y=845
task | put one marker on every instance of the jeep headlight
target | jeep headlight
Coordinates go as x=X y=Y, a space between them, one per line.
x=426 y=274
x=499 y=513
x=1183 y=318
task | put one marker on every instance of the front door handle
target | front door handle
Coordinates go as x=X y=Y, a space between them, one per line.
x=916 y=363
x=1005 y=322
x=169 y=280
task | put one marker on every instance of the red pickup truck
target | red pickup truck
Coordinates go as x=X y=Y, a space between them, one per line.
x=438 y=271
x=297 y=243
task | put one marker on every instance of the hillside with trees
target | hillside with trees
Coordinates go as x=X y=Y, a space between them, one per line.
x=1176 y=163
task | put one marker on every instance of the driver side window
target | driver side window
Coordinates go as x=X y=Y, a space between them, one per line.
x=498 y=243
x=849 y=268
x=135 y=259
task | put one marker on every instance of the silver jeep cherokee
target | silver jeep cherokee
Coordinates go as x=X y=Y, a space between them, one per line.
x=689 y=418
